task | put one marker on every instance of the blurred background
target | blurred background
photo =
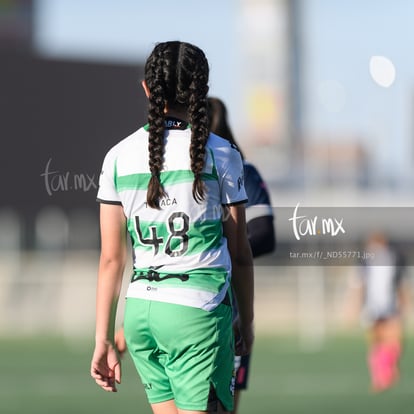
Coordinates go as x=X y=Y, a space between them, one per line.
x=320 y=96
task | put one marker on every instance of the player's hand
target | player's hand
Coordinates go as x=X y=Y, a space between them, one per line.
x=244 y=337
x=120 y=342
x=106 y=367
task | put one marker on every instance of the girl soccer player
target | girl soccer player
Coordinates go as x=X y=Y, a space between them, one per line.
x=380 y=292
x=260 y=226
x=179 y=192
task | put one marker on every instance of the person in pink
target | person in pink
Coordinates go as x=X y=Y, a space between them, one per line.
x=382 y=297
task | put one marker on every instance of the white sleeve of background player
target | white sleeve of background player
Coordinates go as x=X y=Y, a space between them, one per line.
x=232 y=177
x=107 y=193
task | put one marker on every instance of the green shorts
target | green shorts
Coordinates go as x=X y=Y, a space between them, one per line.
x=182 y=353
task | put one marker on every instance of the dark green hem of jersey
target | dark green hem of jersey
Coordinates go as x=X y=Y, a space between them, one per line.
x=236 y=203
x=117 y=203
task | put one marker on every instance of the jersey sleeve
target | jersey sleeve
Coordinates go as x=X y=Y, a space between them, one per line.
x=107 y=193
x=259 y=204
x=232 y=178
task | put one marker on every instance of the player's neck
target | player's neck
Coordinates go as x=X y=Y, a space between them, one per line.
x=175 y=113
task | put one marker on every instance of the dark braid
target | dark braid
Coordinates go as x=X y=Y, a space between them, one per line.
x=176 y=74
x=200 y=131
x=155 y=81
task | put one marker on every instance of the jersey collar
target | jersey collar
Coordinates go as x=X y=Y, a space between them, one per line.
x=173 y=123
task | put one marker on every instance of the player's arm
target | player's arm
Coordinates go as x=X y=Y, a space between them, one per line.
x=105 y=367
x=259 y=213
x=403 y=288
x=242 y=274
x=354 y=296
x=261 y=234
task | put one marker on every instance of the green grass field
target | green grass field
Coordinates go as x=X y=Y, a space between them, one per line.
x=49 y=375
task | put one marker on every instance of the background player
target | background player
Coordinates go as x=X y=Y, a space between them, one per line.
x=259 y=216
x=380 y=292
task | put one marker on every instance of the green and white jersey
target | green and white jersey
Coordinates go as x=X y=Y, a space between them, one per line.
x=179 y=252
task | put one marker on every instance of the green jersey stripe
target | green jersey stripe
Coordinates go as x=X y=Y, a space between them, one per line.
x=140 y=181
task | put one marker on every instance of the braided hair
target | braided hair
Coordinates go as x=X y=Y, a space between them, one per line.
x=176 y=74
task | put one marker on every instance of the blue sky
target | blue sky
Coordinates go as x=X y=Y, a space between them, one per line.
x=341 y=38
x=127 y=30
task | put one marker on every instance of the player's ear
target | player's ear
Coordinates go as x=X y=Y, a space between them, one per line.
x=145 y=87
